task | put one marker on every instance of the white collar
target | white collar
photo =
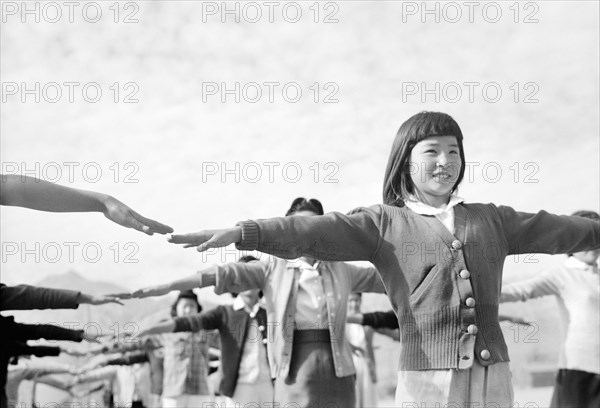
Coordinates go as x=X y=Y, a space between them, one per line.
x=575 y=263
x=301 y=264
x=239 y=304
x=425 y=209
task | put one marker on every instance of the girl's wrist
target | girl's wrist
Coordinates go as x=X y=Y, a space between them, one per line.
x=246 y=235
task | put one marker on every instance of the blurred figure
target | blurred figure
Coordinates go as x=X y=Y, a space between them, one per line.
x=186 y=360
x=361 y=339
x=576 y=285
x=246 y=377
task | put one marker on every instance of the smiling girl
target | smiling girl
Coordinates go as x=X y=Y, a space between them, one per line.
x=440 y=261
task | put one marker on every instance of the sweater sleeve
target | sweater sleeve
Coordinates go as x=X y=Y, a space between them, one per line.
x=25 y=297
x=546 y=283
x=239 y=277
x=548 y=233
x=381 y=320
x=364 y=279
x=23 y=349
x=330 y=237
x=25 y=332
x=209 y=320
x=129 y=359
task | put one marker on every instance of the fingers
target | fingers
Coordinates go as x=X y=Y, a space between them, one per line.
x=118 y=296
x=211 y=243
x=151 y=226
x=194 y=238
x=132 y=221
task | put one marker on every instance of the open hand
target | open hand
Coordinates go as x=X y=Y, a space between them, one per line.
x=208 y=238
x=150 y=291
x=98 y=300
x=120 y=213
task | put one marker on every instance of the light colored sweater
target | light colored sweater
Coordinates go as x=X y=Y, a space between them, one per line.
x=576 y=286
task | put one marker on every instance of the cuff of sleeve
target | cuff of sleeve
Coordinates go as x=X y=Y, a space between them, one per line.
x=181 y=325
x=79 y=335
x=249 y=240
x=368 y=319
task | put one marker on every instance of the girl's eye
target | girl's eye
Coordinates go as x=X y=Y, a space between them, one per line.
x=454 y=151
x=430 y=151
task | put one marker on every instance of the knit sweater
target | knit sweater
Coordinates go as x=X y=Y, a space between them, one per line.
x=444 y=288
x=576 y=287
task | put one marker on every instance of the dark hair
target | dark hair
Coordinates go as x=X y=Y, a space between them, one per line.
x=302 y=204
x=244 y=259
x=185 y=294
x=397 y=184
x=585 y=214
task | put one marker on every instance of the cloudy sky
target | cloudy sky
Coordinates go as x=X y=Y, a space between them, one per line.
x=200 y=116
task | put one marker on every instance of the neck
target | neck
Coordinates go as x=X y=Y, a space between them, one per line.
x=433 y=201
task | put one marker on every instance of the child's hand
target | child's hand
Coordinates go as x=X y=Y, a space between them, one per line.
x=208 y=238
x=120 y=295
x=120 y=213
x=150 y=291
x=98 y=300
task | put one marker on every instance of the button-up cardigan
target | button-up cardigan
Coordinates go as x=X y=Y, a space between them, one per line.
x=276 y=278
x=420 y=263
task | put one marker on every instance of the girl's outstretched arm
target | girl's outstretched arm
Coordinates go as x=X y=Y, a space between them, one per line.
x=230 y=277
x=159 y=328
x=332 y=237
x=22 y=191
x=547 y=233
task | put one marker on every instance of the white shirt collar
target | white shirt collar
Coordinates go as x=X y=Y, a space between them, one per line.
x=239 y=304
x=299 y=263
x=424 y=209
x=575 y=263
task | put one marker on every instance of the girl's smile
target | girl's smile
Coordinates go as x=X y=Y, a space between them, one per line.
x=435 y=164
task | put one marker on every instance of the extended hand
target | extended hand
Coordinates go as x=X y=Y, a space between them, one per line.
x=98 y=300
x=120 y=213
x=94 y=337
x=150 y=291
x=208 y=238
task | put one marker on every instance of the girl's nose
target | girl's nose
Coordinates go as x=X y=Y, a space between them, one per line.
x=442 y=160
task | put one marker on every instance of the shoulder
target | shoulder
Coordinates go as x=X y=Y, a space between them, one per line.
x=382 y=213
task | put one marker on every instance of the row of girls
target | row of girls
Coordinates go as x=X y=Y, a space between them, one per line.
x=446 y=306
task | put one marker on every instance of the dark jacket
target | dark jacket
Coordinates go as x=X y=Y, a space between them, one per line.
x=379 y=320
x=13 y=338
x=25 y=297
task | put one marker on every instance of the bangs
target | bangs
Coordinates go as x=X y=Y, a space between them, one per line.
x=429 y=124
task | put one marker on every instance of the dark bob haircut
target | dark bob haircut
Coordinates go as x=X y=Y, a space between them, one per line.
x=397 y=183
x=302 y=204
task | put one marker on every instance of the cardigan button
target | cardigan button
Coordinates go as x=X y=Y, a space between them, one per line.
x=485 y=354
x=472 y=329
x=456 y=245
x=470 y=302
x=465 y=274
x=261 y=327
x=264 y=341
